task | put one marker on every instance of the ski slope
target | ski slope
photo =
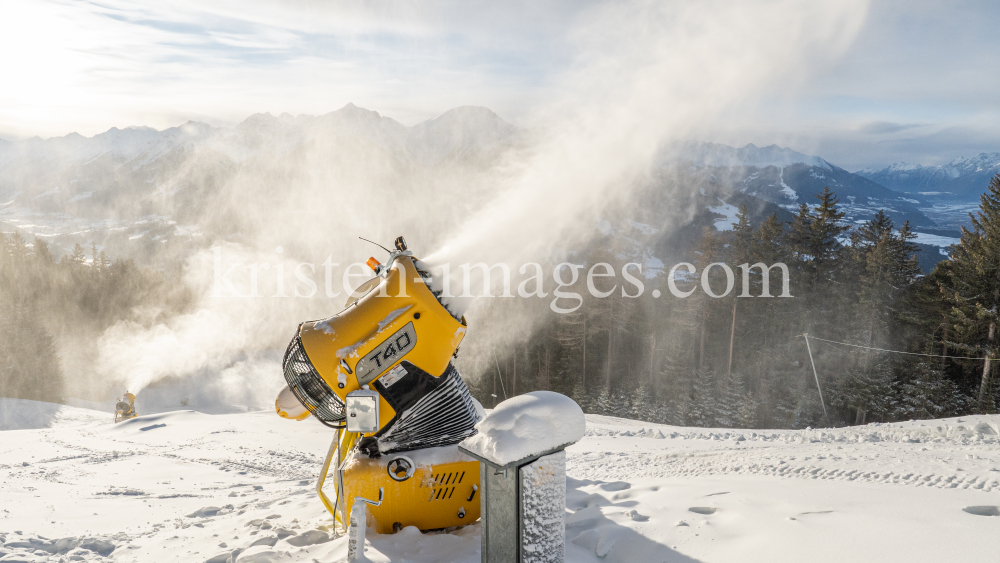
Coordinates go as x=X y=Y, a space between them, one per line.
x=186 y=486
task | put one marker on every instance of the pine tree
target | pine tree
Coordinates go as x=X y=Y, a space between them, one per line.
x=704 y=405
x=103 y=262
x=746 y=415
x=642 y=404
x=867 y=390
x=95 y=259
x=808 y=412
x=731 y=394
x=928 y=394
x=42 y=252
x=676 y=376
x=29 y=363
x=78 y=256
x=975 y=289
x=814 y=238
x=885 y=265
x=767 y=242
x=740 y=253
x=708 y=251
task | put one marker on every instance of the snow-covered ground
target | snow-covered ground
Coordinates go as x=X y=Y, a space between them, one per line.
x=187 y=486
x=936 y=240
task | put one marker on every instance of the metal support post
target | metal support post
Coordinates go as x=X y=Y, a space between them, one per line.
x=811 y=362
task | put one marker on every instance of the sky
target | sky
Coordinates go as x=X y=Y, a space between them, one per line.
x=918 y=84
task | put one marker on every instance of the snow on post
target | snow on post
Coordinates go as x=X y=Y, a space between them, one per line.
x=523 y=474
x=528 y=425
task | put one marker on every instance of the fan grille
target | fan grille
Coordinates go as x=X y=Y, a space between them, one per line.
x=310 y=389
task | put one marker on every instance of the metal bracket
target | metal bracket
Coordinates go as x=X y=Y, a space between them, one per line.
x=356 y=531
x=381 y=493
x=334 y=449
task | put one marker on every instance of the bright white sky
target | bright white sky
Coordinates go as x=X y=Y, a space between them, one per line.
x=921 y=83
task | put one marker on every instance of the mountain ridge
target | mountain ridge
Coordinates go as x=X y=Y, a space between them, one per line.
x=965 y=178
x=137 y=184
x=788 y=178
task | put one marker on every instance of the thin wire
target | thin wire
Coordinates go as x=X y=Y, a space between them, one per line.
x=899 y=352
x=837 y=348
x=376 y=244
x=501 y=375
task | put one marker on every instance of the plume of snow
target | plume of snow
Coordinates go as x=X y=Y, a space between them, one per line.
x=647 y=73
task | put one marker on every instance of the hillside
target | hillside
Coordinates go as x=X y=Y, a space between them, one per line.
x=789 y=178
x=196 y=486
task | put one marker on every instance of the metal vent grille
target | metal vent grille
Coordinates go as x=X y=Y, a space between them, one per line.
x=444 y=485
x=303 y=379
x=442 y=417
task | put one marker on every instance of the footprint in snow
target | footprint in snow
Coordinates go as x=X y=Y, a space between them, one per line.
x=983 y=510
x=703 y=510
x=209 y=511
x=634 y=515
x=580 y=501
x=310 y=537
x=269 y=541
x=601 y=540
x=616 y=486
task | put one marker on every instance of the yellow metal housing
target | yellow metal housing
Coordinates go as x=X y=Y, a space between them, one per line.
x=337 y=345
x=437 y=496
x=125 y=408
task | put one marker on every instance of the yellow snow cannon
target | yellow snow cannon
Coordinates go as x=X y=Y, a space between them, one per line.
x=380 y=372
x=125 y=408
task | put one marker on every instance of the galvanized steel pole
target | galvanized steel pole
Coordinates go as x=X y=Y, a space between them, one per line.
x=811 y=362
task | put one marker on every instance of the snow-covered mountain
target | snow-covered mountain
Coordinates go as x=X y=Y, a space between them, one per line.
x=788 y=178
x=964 y=178
x=62 y=168
x=138 y=190
x=718 y=155
x=147 y=194
x=455 y=132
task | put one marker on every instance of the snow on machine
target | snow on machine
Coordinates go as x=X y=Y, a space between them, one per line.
x=125 y=408
x=380 y=373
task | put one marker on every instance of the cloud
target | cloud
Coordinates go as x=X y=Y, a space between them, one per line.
x=885 y=127
x=86 y=66
x=78 y=66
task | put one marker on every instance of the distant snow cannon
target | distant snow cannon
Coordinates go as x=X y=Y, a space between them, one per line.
x=125 y=408
x=380 y=372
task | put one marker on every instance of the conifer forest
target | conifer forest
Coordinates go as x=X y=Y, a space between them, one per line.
x=905 y=345
x=888 y=341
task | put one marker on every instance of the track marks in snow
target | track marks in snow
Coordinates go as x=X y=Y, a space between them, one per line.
x=958 y=453
x=597 y=466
